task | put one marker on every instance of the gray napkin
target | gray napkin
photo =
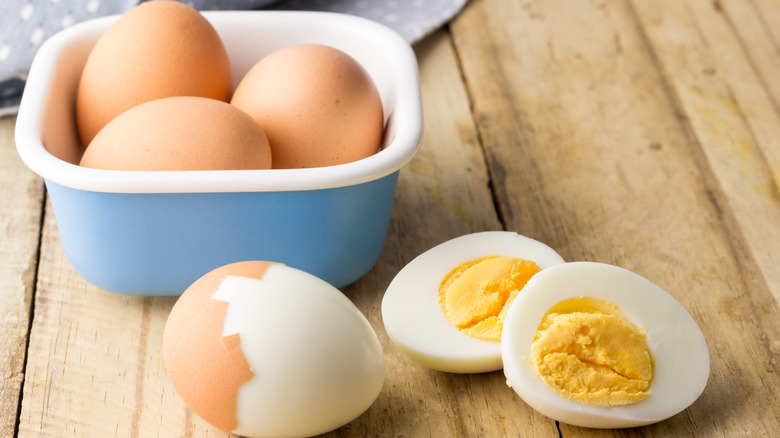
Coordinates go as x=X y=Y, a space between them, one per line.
x=25 y=24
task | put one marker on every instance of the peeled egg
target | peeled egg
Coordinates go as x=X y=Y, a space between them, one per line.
x=317 y=104
x=261 y=349
x=595 y=345
x=479 y=275
x=157 y=49
x=180 y=133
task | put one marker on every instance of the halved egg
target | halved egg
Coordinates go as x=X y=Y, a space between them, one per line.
x=595 y=345
x=445 y=308
x=261 y=349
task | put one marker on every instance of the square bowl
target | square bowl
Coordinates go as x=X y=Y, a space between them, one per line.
x=155 y=232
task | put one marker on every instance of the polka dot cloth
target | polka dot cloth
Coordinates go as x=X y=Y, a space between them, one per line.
x=25 y=24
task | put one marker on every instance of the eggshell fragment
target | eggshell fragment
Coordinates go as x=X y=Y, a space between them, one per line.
x=180 y=133
x=265 y=350
x=157 y=49
x=193 y=335
x=318 y=106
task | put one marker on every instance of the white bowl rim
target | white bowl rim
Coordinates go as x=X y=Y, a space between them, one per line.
x=406 y=116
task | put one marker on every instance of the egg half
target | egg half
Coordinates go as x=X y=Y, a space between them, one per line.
x=444 y=307
x=261 y=349
x=598 y=346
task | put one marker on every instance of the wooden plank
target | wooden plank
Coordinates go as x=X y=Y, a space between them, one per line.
x=442 y=194
x=755 y=28
x=87 y=369
x=21 y=198
x=767 y=15
x=615 y=133
x=95 y=361
x=734 y=118
x=592 y=153
x=731 y=114
x=95 y=364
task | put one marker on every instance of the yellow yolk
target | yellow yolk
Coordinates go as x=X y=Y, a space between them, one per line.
x=476 y=295
x=588 y=353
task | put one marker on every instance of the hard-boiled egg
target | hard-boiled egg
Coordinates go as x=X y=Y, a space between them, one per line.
x=595 y=345
x=260 y=349
x=445 y=308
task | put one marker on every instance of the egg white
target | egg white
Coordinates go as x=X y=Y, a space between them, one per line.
x=679 y=350
x=317 y=362
x=414 y=320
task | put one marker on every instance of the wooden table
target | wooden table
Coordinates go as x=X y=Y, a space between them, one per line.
x=644 y=134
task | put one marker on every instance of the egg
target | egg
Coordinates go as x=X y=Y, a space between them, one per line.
x=317 y=104
x=261 y=349
x=157 y=49
x=445 y=308
x=180 y=133
x=595 y=345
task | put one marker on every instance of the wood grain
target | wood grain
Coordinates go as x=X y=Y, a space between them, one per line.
x=91 y=357
x=625 y=145
x=442 y=194
x=731 y=115
x=641 y=134
x=21 y=199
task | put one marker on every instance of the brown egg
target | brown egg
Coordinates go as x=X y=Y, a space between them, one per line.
x=260 y=349
x=207 y=368
x=318 y=106
x=157 y=49
x=180 y=133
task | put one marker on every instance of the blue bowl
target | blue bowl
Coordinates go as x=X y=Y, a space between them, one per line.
x=157 y=244
x=154 y=233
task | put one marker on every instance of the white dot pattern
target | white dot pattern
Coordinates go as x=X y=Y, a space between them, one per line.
x=27 y=11
x=37 y=36
x=5 y=51
x=25 y=24
x=92 y=6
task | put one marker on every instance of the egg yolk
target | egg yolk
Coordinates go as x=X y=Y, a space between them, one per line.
x=476 y=295
x=588 y=353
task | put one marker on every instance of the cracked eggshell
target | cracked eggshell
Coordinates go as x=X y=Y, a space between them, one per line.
x=260 y=349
